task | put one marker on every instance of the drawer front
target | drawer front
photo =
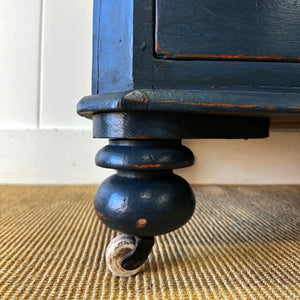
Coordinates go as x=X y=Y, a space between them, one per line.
x=228 y=29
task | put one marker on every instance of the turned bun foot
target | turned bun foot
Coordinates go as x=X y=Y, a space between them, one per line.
x=144 y=199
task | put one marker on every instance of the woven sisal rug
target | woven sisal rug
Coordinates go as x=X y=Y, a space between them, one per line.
x=242 y=243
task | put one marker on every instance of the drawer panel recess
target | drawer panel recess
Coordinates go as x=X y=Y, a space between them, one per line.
x=228 y=30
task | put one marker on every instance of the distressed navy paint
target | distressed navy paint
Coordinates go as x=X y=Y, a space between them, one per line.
x=147 y=98
x=144 y=154
x=168 y=125
x=113 y=46
x=96 y=41
x=131 y=65
x=201 y=101
x=145 y=198
x=228 y=29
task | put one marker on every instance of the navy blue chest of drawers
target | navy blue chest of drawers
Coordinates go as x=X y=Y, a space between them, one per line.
x=166 y=70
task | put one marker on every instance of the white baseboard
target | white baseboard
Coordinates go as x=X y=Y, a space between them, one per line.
x=50 y=157
x=67 y=157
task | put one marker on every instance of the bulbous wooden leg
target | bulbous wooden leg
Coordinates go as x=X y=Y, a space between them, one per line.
x=143 y=199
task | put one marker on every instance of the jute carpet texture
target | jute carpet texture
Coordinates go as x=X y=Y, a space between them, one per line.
x=243 y=242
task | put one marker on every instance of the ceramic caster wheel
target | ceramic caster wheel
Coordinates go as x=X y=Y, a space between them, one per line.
x=117 y=249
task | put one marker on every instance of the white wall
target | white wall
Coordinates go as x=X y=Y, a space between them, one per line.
x=45 y=59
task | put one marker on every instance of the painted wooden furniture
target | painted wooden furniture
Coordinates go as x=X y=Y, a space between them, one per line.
x=167 y=70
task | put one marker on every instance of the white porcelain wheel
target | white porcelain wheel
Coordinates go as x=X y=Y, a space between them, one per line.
x=116 y=250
